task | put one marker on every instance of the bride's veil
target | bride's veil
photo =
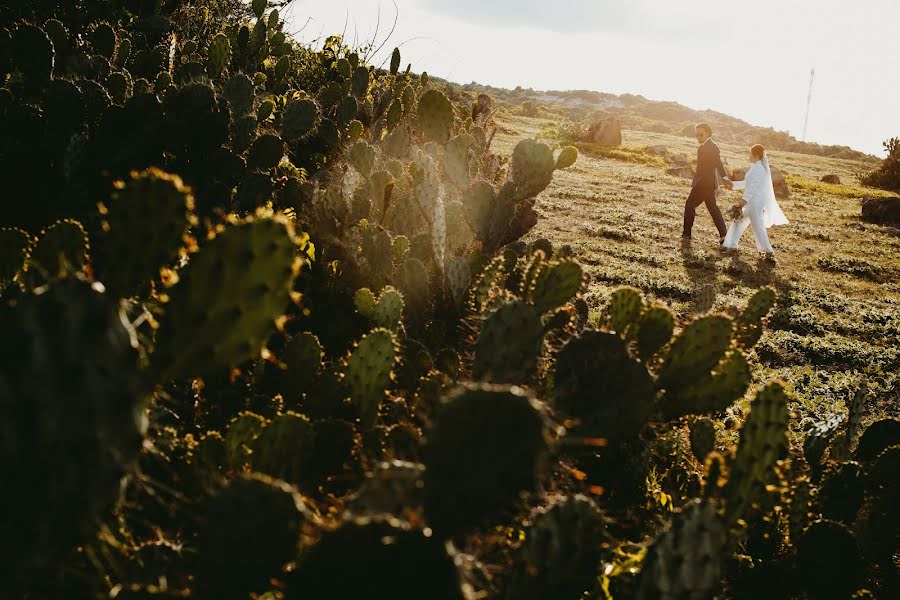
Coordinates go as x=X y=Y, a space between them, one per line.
x=772 y=213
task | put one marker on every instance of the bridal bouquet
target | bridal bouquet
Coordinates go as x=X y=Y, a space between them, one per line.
x=735 y=212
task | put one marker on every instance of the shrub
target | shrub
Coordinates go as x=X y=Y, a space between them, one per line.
x=887 y=175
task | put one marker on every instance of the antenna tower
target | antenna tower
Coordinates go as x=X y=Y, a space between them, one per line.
x=812 y=76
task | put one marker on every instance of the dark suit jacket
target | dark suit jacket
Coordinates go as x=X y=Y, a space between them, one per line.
x=708 y=164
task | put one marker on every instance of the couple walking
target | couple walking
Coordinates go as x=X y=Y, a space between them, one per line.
x=759 y=208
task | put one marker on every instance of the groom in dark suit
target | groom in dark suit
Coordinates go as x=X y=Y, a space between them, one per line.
x=706 y=181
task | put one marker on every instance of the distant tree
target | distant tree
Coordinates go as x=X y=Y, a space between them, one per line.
x=887 y=175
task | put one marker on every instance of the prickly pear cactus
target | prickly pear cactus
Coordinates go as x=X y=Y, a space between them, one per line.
x=436 y=116
x=387 y=558
x=750 y=323
x=74 y=403
x=763 y=443
x=33 y=54
x=555 y=285
x=145 y=222
x=561 y=554
x=225 y=304
x=369 y=371
x=531 y=168
x=600 y=384
x=265 y=152
x=509 y=344
x=713 y=392
x=706 y=297
x=389 y=309
x=818 y=436
x=60 y=250
x=456 y=160
x=624 y=309
x=297 y=368
x=567 y=157
x=14 y=245
x=462 y=488
x=829 y=564
x=240 y=437
x=250 y=529
x=219 y=55
x=299 y=118
x=238 y=92
x=459 y=275
x=284 y=448
x=654 y=330
x=879 y=435
x=686 y=560
x=362 y=156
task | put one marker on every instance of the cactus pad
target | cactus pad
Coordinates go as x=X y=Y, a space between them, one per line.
x=695 y=352
x=265 y=152
x=227 y=300
x=14 y=244
x=654 y=330
x=462 y=488
x=60 y=250
x=362 y=156
x=624 y=309
x=456 y=160
x=218 y=56
x=556 y=285
x=145 y=222
x=531 y=168
x=567 y=157
x=712 y=392
x=300 y=117
x=284 y=448
x=369 y=372
x=509 y=344
x=435 y=116
x=763 y=443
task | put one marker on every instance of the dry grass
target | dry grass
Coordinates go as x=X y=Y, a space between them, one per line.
x=838 y=319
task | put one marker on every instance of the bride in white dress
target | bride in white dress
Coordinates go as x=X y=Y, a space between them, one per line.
x=759 y=207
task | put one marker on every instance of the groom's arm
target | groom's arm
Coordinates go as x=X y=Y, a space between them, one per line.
x=720 y=168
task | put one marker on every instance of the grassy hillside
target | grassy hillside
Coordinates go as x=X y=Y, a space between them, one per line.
x=839 y=317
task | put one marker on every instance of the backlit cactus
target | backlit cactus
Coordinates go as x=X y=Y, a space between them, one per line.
x=686 y=560
x=218 y=56
x=14 y=245
x=144 y=226
x=60 y=250
x=509 y=344
x=284 y=448
x=561 y=554
x=624 y=309
x=368 y=373
x=763 y=443
x=436 y=116
x=299 y=118
x=462 y=488
x=567 y=157
x=228 y=297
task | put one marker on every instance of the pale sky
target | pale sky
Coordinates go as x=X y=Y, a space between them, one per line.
x=750 y=60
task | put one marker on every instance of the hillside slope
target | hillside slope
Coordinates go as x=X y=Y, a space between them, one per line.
x=838 y=319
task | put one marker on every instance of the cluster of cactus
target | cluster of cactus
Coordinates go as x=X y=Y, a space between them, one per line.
x=614 y=381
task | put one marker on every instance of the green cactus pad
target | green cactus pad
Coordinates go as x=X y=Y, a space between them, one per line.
x=362 y=156
x=763 y=442
x=284 y=448
x=364 y=300
x=259 y=7
x=509 y=344
x=14 y=245
x=436 y=116
x=456 y=160
x=240 y=437
x=227 y=300
x=480 y=201
x=300 y=117
x=600 y=384
x=694 y=353
x=381 y=187
x=461 y=487
x=266 y=152
x=829 y=564
x=686 y=560
x=758 y=306
x=654 y=330
x=395 y=61
x=60 y=250
x=561 y=552
x=712 y=392
x=458 y=277
x=389 y=309
x=624 y=309
x=103 y=40
x=282 y=68
x=369 y=371
x=33 y=54
x=145 y=222
x=556 y=285
x=300 y=363
x=567 y=157
x=218 y=56
x=531 y=168
x=238 y=92
x=360 y=82
x=248 y=531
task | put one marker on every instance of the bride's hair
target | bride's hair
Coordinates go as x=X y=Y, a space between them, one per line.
x=757 y=151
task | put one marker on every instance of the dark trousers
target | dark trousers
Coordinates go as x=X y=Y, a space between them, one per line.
x=696 y=198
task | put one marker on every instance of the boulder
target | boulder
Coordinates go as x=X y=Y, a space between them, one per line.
x=607 y=132
x=881 y=211
x=658 y=150
x=681 y=171
x=833 y=179
x=779 y=181
x=681 y=160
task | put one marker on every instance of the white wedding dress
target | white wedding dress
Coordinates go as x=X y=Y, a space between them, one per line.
x=762 y=210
